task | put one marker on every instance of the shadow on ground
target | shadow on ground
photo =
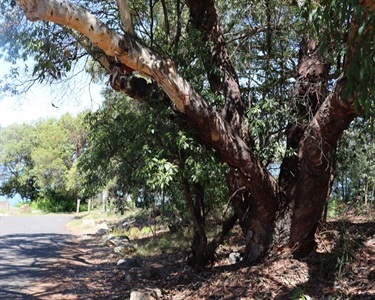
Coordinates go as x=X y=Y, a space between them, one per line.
x=346 y=271
x=27 y=260
x=344 y=266
x=87 y=270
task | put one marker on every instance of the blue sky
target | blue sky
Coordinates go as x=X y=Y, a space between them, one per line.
x=11 y=201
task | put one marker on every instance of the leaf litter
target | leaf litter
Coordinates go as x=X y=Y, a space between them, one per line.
x=343 y=267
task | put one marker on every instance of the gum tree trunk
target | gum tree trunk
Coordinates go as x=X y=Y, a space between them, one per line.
x=275 y=216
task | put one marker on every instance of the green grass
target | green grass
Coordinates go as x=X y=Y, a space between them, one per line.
x=299 y=294
x=142 y=233
x=167 y=243
x=334 y=265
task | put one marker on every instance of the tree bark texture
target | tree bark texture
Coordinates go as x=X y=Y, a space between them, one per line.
x=274 y=216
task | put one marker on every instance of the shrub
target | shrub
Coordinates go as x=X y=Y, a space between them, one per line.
x=146 y=230
x=134 y=232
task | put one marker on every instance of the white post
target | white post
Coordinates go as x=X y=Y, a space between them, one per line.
x=78 y=203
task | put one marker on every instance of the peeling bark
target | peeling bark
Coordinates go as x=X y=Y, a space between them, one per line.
x=208 y=123
x=315 y=157
x=126 y=16
x=220 y=70
x=318 y=140
x=273 y=215
x=308 y=94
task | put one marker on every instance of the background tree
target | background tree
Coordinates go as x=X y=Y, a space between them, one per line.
x=143 y=154
x=17 y=143
x=38 y=161
x=187 y=56
x=355 y=180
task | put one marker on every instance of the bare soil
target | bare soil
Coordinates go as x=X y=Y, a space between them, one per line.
x=343 y=267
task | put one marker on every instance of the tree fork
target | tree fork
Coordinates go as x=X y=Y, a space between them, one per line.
x=210 y=125
x=317 y=148
x=266 y=210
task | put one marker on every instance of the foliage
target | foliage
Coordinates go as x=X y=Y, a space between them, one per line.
x=333 y=209
x=141 y=150
x=299 y=294
x=19 y=204
x=54 y=203
x=258 y=64
x=334 y=265
x=333 y=19
x=38 y=161
x=146 y=230
x=355 y=161
x=169 y=243
x=17 y=143
x=164 y=25
x=33 y=44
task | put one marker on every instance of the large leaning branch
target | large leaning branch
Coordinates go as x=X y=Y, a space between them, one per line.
x=208 y=123
x=126 y=16
x=123 y=48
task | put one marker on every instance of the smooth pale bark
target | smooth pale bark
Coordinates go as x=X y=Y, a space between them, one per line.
x=211 y=126
x=123 y=49
x=125 y=16
x=269 y=214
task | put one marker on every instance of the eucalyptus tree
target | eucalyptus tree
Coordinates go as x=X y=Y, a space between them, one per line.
x=17 y=143
x=38 y=160
x=354 y=166
x=136 y=149
x=216 y=62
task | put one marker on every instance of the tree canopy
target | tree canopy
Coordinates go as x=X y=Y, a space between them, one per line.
x=38 y=160
x=260 y=84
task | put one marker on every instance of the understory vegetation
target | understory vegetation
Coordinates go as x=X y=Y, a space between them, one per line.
x=341 y=269
x=234 y=125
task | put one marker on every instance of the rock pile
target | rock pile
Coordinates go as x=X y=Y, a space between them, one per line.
x=133 y=269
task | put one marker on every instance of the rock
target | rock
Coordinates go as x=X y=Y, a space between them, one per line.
x=112 y=241
x=142 y=272
x=120 y=244
x=235 y=257
x=122 y=239
x=145 y=294
x=128 y=263
x=101 y=231
x=124 y=249
x=103 y=225
x=83 y=237
x=127 y=224
x=107 y=240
